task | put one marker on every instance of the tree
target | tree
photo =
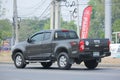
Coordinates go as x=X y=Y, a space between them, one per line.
x=68 y=25
x=5 y=29
x=115 y=10
x=97 y=19
x=47 y=24
x=30 y=26
x=115 y=15
x=116 y=25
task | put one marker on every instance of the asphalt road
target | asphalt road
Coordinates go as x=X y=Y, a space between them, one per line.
x=36 y=72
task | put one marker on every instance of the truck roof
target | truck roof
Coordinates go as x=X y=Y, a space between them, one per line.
x=55 y=30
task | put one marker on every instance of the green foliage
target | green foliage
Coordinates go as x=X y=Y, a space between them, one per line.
x=47 y=25
x=116 y=25
x=97 y=19
x=30 y=26
x=116 y=28
x=5 y=29
x=115 y=10
x=68 y=25
x=116 y=15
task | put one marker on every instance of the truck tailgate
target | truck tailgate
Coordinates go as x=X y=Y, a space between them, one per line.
x=96 y=44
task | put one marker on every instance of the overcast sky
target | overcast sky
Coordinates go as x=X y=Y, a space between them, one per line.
x=29 y=8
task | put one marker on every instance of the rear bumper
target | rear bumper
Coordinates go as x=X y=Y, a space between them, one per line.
x=90 y=55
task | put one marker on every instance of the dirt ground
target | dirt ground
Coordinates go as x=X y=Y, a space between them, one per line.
x=6 y=57
x=110 y=60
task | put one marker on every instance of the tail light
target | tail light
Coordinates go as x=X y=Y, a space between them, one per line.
x=81 y=45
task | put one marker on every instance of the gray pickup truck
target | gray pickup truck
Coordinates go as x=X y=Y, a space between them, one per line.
x=63 y=46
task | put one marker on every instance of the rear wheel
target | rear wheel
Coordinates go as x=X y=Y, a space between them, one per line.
x=63 y=61
x=91 y=64
x=19 y=60
x=46 y=64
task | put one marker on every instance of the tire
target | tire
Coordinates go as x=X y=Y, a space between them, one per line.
x=46 y=65
x=19 y=60
x=91 y=64
x=63 y=61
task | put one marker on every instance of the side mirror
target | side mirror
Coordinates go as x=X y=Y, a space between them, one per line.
x=28 y=40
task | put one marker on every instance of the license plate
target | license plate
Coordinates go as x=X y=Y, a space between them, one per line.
x=96 y=54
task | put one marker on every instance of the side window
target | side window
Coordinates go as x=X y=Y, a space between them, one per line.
x=73 y=35
x=47 y=35
x=37 y=38
x=59 y=35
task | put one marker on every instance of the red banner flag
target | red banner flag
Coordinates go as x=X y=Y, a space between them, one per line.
x=85 y=22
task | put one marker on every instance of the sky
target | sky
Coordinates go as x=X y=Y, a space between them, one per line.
x=30 y=8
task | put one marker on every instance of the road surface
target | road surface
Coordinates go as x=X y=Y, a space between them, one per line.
x=77 y=72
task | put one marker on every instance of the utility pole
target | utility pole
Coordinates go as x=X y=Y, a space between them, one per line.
x=78 y=19
x=108 y=29
x=70 y=15
x=52 y=21
x=15 y=21
x=57 y=14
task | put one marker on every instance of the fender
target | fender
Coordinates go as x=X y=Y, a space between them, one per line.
x=61 y=48
x=17 y=48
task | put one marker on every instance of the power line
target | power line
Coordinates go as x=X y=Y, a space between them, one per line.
x=44 y=14
x=36 y=5
x=32 y=7
x=47 y=15
x=33 y=11
x=45 y=10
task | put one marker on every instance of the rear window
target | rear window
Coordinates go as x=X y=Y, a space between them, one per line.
x=61 y=35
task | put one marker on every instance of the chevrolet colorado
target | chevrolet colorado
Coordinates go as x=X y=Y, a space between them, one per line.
x=61 y=46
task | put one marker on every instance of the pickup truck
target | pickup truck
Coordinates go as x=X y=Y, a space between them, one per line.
x=61 y=46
